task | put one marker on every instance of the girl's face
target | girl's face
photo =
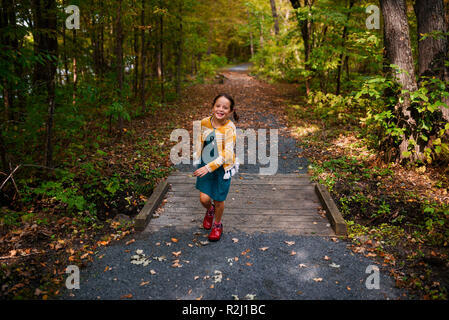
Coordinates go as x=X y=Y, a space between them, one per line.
x=222 y=108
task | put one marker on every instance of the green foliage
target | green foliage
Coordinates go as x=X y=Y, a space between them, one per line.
x=210 y=64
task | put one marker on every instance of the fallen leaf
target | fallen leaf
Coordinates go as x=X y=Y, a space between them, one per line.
x=199 y=298
x=302 y=265
x=143 y=283
x=334 y=265
x=263 y=248
x=176 y=254
x=235 y=240
x=106 y=269
x=130 y=241
x=292 y=253
x=290 y=243
x=211 y=286
x=126 y=296
x=249 y=264
x=174 y=240
x=326 y=258
x=317 y=279
x=84 y=256
x=152 y=272
x=196 y=277
x=190 y=291
x=349 y=289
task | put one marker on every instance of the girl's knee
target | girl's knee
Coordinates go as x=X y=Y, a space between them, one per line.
x=204 y=198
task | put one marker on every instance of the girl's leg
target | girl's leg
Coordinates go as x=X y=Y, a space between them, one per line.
x=205 y=200
x=219 y=208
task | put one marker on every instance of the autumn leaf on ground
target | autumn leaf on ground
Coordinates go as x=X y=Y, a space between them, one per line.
x=196 y=277
x=152 y=272
x=326 y=258
x=235 y=240
x=126 y=296
x=174 y=240
x=176 y=254
x=84 y=256
x=263 y=248
x=106 y=269
x=302 y=265
x=199 y=298
x=290 y=243
x=292 y=253
x=143 y=283
x=249 y=264
x=130 y=241
x=334 y=265
x=317 y=279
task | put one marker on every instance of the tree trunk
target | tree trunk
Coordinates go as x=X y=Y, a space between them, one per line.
x=433 y=51
x=160 y=68
x=275 y=16
x=340 y=61
x=45 y=42
x=306 y=27
x=75 y=70
x=178 y=62
x=136 y=63
x=398 y=52
x=251 y=42
x=119 y=59
x=142 y=57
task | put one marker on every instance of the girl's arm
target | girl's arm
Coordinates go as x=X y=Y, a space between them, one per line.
x=226 y=154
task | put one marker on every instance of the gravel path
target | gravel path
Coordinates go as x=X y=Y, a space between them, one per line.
x=309 y=268
x=287 y=267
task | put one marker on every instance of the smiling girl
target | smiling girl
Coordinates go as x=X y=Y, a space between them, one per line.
x=217 y=162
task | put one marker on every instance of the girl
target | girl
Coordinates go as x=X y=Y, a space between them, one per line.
x=216 y=160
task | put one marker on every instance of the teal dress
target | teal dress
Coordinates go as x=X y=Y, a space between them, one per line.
x=212 y=183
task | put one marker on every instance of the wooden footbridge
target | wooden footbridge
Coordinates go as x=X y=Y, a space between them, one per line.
x=288 y=203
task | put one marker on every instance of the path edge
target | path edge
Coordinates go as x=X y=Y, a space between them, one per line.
x=151 y=205
x=332 y=212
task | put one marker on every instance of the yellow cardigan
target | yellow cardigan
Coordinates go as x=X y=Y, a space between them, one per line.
x=226 y=156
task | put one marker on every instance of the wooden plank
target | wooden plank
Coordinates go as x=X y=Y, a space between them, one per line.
x=150 y=206
x=180 y=187
x=256 y=180
x=244 y=174
x=278 y=195
x=284 y=212
x=244 y=203
x=250 y=230
x=334 y=215
x=245 y=218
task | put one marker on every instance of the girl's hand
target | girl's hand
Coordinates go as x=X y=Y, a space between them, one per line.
x=201 y=172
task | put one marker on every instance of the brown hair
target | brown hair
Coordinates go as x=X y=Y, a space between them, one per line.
x=227 y=96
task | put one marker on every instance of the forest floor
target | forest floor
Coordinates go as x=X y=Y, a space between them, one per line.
x=35 y=253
